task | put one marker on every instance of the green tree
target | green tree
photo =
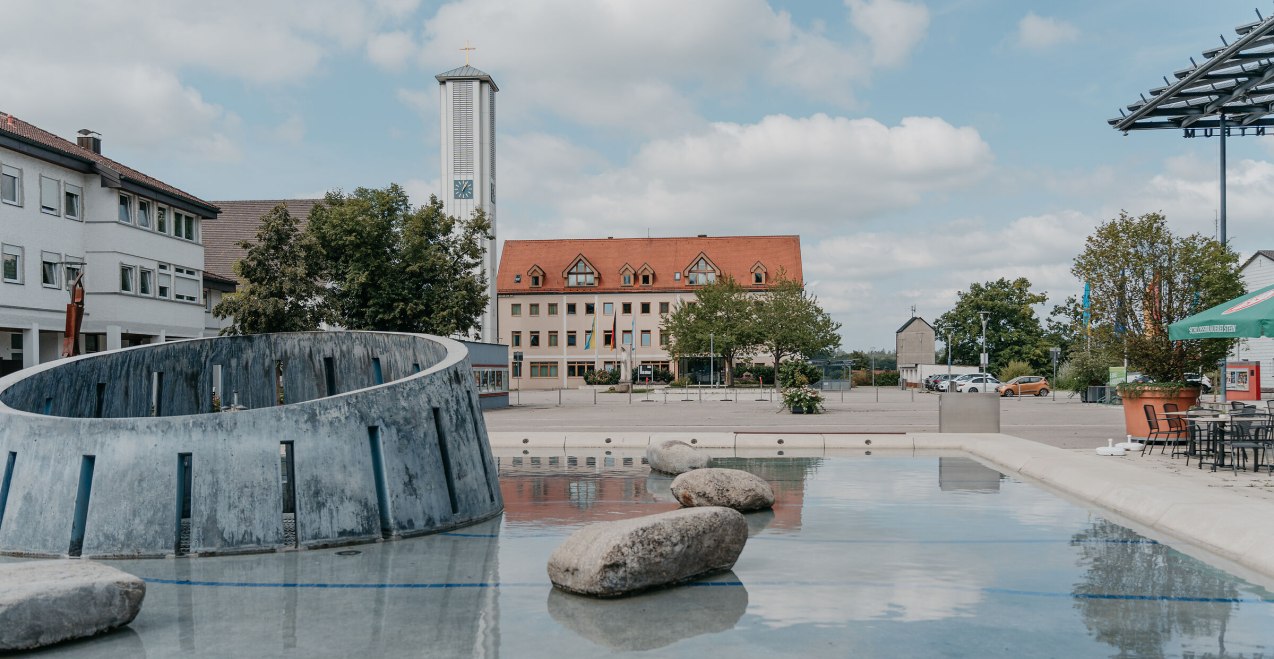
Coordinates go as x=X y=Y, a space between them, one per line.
x=279 y=288
x=1143 y=277
x=389 y=266
x=722 y=317
x=1013 y=331
x=791 y=323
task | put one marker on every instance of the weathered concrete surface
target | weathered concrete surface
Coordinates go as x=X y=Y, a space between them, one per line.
x=732 y=488
x=969 y=412
x=613 y=559
x=674 y=457
x=651 y=620
x=424 y=422
x=47 y=602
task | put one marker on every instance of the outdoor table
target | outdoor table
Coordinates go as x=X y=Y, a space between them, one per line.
x=1215 y=437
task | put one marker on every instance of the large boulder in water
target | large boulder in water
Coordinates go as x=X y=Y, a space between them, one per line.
x=675 y=457
x=732 y=488
x=46 y=602
x=613 y=559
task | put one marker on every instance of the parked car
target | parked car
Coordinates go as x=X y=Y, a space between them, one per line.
x=931 y=382
x=1200 y=380
x=978 y=383
x=945 y=385
x=1024 y=385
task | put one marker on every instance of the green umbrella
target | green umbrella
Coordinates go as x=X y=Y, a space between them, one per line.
x=1246 y=316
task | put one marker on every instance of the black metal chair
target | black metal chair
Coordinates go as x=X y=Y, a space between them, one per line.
x=1177 y=425
x=1157 y=432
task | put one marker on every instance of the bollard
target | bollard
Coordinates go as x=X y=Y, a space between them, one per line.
x=700 y=393
x=559 y=397
x=594 y=396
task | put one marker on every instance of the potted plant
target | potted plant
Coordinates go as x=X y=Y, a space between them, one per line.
x=803 y=400
x=1136 y=395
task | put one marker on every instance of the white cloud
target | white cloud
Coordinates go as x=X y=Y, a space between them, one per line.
x=292 y=130
x=1035 y=32
x=391 y=50
x=893 y=27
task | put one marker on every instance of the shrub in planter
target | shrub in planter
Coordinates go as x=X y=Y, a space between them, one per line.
x=1136 y=395
x=803 y=400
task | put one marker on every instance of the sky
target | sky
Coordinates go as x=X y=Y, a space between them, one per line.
x=915 y=146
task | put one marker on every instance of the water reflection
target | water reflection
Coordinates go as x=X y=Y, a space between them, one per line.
x=1173 y=594
x=652 y=620
x=967 y=475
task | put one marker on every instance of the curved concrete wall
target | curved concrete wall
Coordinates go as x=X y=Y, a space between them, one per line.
x=93 y=447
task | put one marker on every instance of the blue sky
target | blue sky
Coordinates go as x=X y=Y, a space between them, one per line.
x=915 y=146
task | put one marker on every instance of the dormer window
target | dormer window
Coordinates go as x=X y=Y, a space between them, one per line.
x=626 y=275
x=537 y=276
x=701 y=273
x=581 y=274
x=535 y=281
x=646 y=274
x=758 y=274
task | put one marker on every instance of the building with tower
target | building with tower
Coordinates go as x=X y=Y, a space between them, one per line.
x=467 y=171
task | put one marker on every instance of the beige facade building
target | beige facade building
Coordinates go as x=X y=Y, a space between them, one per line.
x=572 y=306
x=915 y=343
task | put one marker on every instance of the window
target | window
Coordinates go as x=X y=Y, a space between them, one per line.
x=186 y=284
x=645 y=307
x=552 y=339
x=578 y=369
x=701 y=273
x=145 y=285
x=125 y=209
x=645 y=279
x=676 y=276
x=183 y=226
x=127 y=274
x=581 y=275
x=608 y=308
x=552 y=308
x=570 y=308
x=143 y=213
x=11 y=185
x=570 y=339
x=165 y=282
x=628 y=279
x=207 y=300
x=517 y=369
x=627 y=337
x=543 y=369
x=663 y=307
x=517 y=279
x=590 y=308
x=517 y=339
x=645 y=338
x=535 y=281
x=588 y=339
x=628 y=308
x=535 y=339
x=534 y=309
x=73 y=267
x=49 y=193
x=50 y=266
x=663 y=340
x=515 y=309
x=608 y=338
x=71 y=196
x=758 y=277
x=161 y=219
x=12 y=264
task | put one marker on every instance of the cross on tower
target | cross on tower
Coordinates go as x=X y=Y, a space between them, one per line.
x=466 y=50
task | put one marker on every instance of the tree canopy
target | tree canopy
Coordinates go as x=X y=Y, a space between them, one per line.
x=722 y=318
x=791 y=323
x=1013 y=331
x=1142 y=278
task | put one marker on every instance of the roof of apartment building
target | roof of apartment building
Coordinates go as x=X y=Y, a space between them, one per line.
x=1267 y=253
x=910 y=321
x=30 y=139
x=737 y=256
x=240 y=220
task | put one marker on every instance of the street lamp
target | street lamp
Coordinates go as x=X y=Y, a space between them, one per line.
x=1054 y=351
x=984 y=315
x=712 y=364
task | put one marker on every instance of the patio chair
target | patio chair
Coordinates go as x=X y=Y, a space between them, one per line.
x=1156 y=431
x=1244 y=436
x=1177 y=425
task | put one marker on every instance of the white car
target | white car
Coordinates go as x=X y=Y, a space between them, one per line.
x=978 y=383
x=945 y=384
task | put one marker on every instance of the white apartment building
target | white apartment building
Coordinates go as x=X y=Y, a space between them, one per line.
x=65 y=209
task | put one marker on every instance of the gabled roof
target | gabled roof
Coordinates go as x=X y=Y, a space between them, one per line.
x=1267 y=253
x=22 y=136
x=466 y=72
x=912 y=320
x=733 y=255
x=240 y=220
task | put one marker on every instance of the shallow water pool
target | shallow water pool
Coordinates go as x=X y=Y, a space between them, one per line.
x=866 y=556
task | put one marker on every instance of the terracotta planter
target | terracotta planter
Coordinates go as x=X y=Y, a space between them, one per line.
x=1135 y=415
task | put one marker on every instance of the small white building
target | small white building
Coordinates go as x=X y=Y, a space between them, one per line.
x=65 y=209
x=1258 y=273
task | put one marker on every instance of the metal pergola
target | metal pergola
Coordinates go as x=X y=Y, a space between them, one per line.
x=1230 y=93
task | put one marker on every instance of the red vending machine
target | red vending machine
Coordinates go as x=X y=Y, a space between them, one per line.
x=1243 y=380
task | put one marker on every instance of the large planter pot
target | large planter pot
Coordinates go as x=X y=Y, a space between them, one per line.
x=1134 y=411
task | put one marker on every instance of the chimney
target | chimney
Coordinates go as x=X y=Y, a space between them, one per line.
x=90 y=139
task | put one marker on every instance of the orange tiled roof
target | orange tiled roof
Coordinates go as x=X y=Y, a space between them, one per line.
x=16 y=127
x=733 y=255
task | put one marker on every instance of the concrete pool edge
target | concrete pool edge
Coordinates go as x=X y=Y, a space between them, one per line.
x=1221 y=523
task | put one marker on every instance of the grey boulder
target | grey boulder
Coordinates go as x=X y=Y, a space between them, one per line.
x=732 y=488
x=675 y=457
x=613 y=559
x=46 y=602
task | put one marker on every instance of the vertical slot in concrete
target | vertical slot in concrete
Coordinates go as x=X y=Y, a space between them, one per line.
x=482 y=455
x=329 y=375
x=278 y=382
x=48 y=405
x=446 y=459
x=81 y=505
x=287 y=474
x=216 y=402
x=415 y=367
x=378 y=376
x=100 y=401
x=4 y=485
x=378 y=474
x=184 y=482
x=157 y=394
